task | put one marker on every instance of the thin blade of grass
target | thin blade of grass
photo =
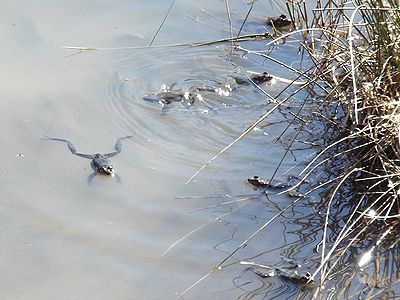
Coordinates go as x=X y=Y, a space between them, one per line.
x=162 y=23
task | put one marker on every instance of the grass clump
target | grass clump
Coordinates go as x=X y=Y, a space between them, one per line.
x=355 y=48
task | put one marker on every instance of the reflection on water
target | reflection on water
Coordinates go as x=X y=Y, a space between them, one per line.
x=62 y=238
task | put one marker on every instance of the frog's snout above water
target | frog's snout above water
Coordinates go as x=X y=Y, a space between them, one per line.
x=108 y=170
x=102 y=165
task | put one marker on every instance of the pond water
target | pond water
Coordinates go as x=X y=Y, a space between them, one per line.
x=62 y=238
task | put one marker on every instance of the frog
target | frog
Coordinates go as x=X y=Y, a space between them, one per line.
x=260 y=78
x=279 y=22
x=258 y=182
x=255 y=77
x=289 y=270
x=100 y=163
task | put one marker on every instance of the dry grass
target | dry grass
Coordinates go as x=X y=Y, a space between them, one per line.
x=355 y=50
x=356 y=54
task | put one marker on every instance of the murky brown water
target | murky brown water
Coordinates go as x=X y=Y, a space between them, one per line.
x=62 y=238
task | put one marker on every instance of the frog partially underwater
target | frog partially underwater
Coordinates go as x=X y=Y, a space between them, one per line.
x=254 y=77
x=168 y=95
x=100 y=162
x=280 y=22
x=276 y=185
x=288 y=270
x=258 y=182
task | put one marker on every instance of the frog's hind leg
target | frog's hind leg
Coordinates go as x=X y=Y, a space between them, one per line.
x=118 y=146
x=71 y=147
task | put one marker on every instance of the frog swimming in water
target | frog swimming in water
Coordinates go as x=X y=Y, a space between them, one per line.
x=289 y=270
x=100 y=162
x=280 y=22
x=267 y=184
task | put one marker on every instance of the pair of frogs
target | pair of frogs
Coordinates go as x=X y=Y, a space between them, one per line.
x=168 y=95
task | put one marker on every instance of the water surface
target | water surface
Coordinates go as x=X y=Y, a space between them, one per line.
x=62 y=238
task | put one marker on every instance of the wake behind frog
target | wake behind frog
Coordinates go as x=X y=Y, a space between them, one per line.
x=100 y=162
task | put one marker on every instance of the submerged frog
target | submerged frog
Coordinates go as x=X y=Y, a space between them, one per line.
x=289 y=270
x=100 y=162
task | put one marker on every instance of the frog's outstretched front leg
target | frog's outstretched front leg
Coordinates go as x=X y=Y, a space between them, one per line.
x=118 y=146
x=71 y=147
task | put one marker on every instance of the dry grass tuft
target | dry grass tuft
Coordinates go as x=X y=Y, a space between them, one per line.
x=356 y=54
x=354 y=48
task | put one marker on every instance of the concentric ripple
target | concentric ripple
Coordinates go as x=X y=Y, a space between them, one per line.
x=183 y=132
